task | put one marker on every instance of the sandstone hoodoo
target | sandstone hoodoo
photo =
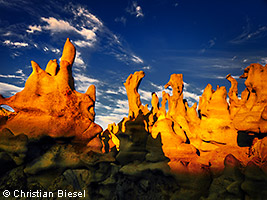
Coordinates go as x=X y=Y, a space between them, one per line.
x=50 y=105
x=214 y=150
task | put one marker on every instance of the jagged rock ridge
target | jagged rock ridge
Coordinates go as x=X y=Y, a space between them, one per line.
x=49 y=104
x=51 y=141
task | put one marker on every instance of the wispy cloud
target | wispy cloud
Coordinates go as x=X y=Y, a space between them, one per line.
x=209 y=45
x=15 y=44
x=55 y=50
x=121 y=107
x=87 y=31
x=122 y=19
x=9 y=89
x=19 y=75
x=82 y=43
x=148 y=67
x=136 y=59
x=111 y=92
x=224 y=77
x=34 y=28
x=116 y=113
x=57 y=26
x=249 y=34
x=82 y=82
x=105 y=120
x=135 y=9
x=79 y=61
x=139 y=12
x=145 y=95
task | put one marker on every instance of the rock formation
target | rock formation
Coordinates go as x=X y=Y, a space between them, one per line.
x=49 y=104
x=132 y=83
x=216 y=150
x=251 y=114
x=211 y=139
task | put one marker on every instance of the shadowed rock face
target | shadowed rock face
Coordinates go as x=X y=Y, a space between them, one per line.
x=49 y=104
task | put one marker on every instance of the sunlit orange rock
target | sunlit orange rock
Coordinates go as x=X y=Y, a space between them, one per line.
x=132 y=83
x=162 y=109
x=172 y=136
x=234 y=101
x=252 y=113
x=177 y=111
x=216 y=126
x=50 y=105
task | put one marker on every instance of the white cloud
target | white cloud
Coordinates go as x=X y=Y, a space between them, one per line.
x=159 y=87
x=86 y=31
x=7 y=89
x=146 y=95
x=79 y=61
x=135 y=9
x=121 y=107
x=82 y=82
x=235 y=77
x=9 y=33
x=122 y=90
x=85 y=79
x=105 y=120
x=147 y=67
x=85 y=13
x=224 y=77
x=34 y=28
x=45 y=49
x=87 y=34
x=111 y=92
x=115 y=113
x=9 y=76
x=190 y=95
x=264 y=60
x=139 y=12
x=248 y=34
x=57 y=26
x=82 y=43
x=234 y=58
x=20 y=75
x=16 y=44
x=136 y=59
x=55 y=50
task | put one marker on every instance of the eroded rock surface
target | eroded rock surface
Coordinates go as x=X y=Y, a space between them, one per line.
x=51 y=142
x=49 y=104
x=251 y=114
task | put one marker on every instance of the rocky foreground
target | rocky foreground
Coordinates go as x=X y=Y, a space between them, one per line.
x=50 y=147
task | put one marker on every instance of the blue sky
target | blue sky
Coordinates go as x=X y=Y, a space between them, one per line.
x=203 y=40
